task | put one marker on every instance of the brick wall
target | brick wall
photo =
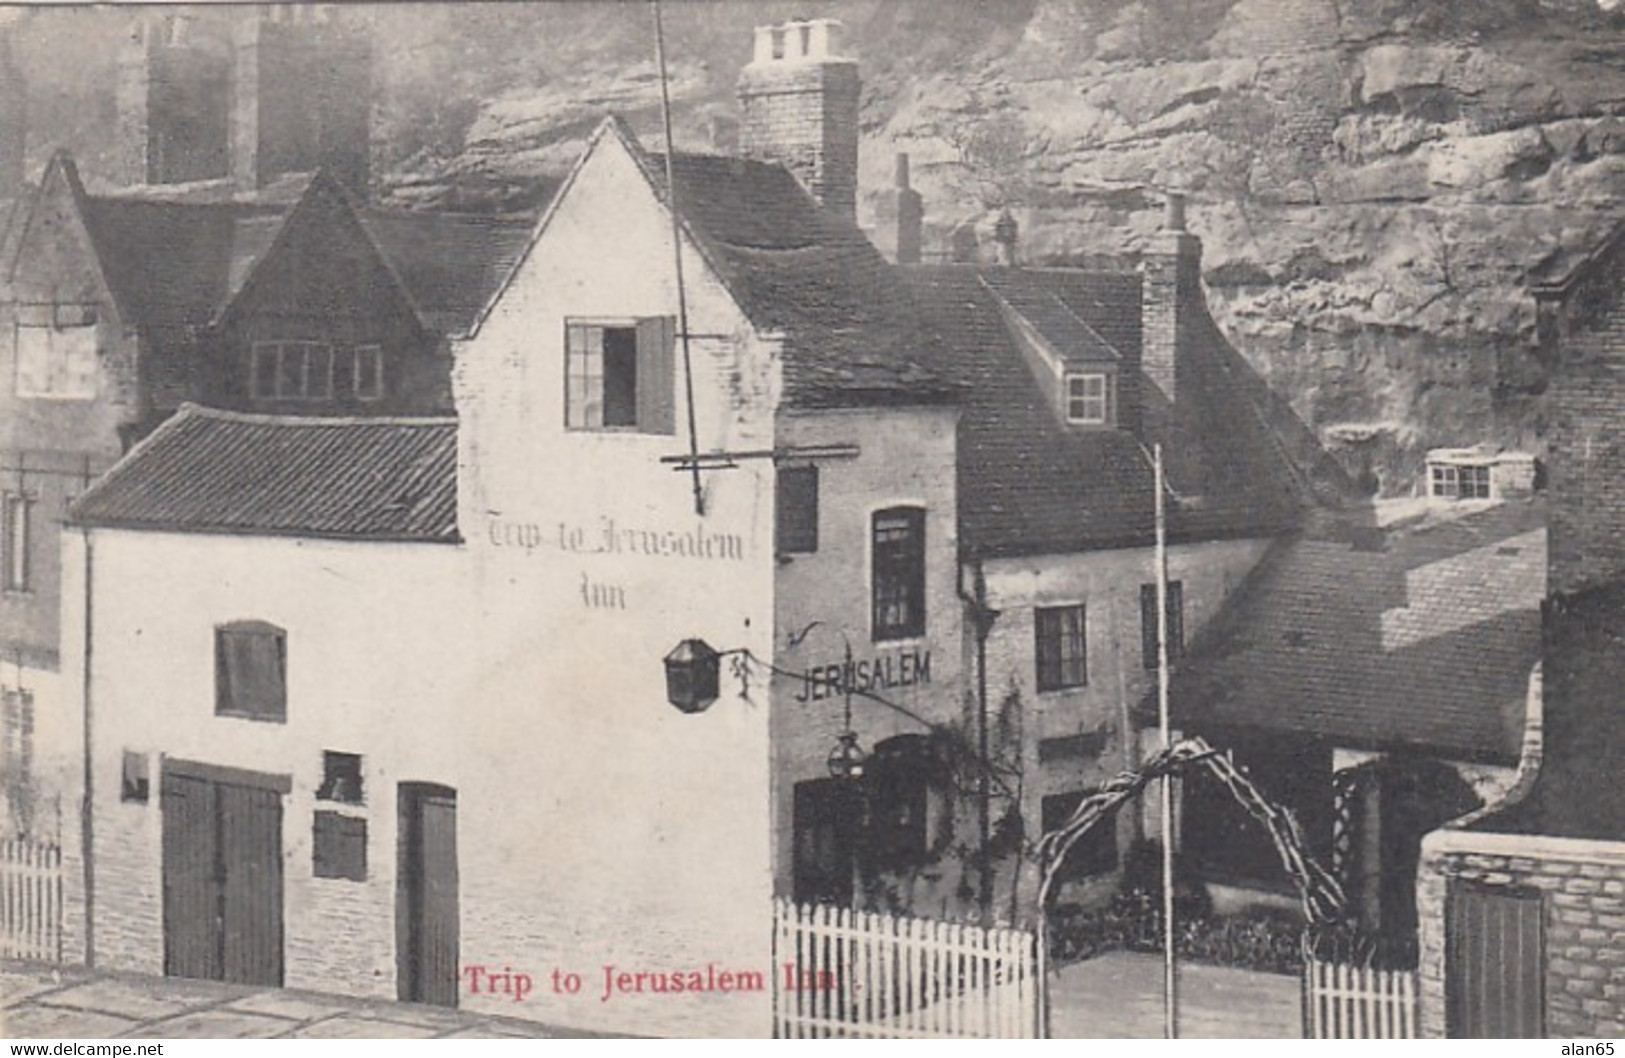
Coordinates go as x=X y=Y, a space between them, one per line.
x=805 y=116
x=1586 y=446
x=1582 y=891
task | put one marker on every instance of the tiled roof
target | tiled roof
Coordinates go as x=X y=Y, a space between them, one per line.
x=1029 y=484
x=450 y=263
x=1414 y=638
x=1063 y=329
x=208 y=471
x=851 y=337
x=171 y=265
x=1577 y=792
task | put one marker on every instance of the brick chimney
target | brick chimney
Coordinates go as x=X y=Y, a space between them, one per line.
x=900 y=219
x=301 y=98
x=1171 y=305
x=1007 y=237
x=173 y=102
x=799 y=99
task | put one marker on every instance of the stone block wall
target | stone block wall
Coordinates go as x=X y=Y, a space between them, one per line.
x=1582 y=891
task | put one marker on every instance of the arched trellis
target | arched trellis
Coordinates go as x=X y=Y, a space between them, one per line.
x=1324 y=902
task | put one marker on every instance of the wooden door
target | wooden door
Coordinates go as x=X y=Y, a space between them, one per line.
x=222 y=879
x=427 y=913
x=828 y=816
x=1495 y=963
x=251 y=916
x=192 y=891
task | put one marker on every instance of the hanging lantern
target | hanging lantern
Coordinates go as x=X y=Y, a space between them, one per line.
x=846 y=760
x=692 y=675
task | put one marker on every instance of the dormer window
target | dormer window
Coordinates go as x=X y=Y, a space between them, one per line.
x=1089 y=399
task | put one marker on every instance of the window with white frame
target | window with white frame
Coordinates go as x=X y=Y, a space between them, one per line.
x=367 y=372
x=1466 y=481
x=618 y=375
x=16 y=531
x=1088 y=399
x=55 y=362
x=292 y=370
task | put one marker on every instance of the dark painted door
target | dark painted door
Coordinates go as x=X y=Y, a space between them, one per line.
x=1495 y=963
x=828 y=815
x=222 y=870
x=427 y=914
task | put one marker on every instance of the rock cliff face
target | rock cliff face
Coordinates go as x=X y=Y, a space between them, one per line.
x=1372 y=179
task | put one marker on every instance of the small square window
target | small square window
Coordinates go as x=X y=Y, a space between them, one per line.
x=798 y=510
x=1088 y=399
x=339 y=846
x=135 y=784
x=341 y=778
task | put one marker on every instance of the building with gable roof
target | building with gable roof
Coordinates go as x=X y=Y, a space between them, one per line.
x=874 y=488
x=125 y=305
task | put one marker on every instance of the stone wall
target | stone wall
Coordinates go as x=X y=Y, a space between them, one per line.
x=1582 y=892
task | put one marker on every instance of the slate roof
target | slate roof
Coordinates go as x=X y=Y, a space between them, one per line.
x=450 y=263
x=1577 y=792
x=1238 y=461
x=1424 y=643
x=851 y=336
x=206 y=471
x=171 y=264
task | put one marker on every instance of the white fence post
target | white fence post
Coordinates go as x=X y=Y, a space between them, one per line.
x=30 y=900
x=1347 y=1002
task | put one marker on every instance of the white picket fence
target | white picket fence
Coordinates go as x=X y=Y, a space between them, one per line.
x=838 y=972
x=30 y=900
x=1346 y=1002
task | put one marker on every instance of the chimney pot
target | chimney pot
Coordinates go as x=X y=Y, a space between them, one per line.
x=1006 y=234
x=1174 y=219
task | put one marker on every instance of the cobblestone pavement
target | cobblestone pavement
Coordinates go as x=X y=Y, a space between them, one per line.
x=1119 y=995
x=46 y=1002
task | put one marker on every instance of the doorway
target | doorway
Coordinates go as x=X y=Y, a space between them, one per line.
x=222 y=873
x=426 y=895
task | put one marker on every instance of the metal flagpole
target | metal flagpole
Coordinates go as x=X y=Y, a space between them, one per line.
x=677 y=253
x=1170 y=994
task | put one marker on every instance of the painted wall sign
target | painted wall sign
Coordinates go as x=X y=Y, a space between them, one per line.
x=906 y=668
x=608 y=536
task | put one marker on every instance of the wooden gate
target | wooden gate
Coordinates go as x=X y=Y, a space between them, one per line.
x=1495 y=963
x=426 y=901
x=838 y=972
x=222 y=849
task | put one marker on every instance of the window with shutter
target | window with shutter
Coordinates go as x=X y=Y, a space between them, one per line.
x=339 y=846
x=619 y=376
x=250 y=666
x=1148 y=622
x=797 y=510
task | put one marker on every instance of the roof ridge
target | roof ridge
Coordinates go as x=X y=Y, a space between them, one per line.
x=275 y=419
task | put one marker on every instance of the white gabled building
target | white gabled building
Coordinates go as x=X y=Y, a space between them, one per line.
x=378 y=707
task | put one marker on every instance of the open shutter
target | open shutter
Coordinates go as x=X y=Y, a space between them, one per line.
x=657 y=383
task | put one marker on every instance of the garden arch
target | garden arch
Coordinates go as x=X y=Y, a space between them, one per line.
x=1324 y=903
